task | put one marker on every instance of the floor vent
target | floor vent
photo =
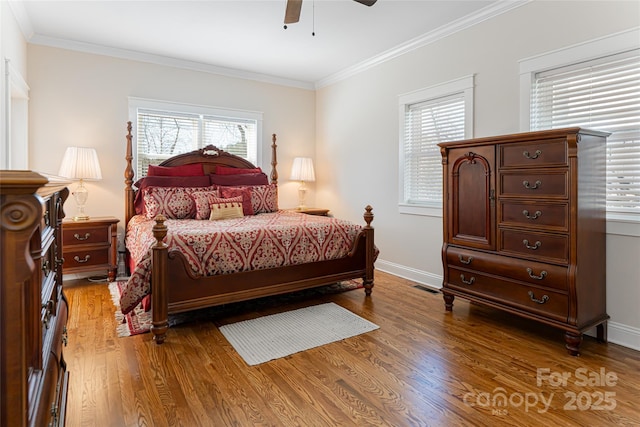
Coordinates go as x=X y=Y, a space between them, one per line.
x=428 y=289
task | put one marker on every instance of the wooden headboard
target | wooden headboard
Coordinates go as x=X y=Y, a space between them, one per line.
x=208 y=156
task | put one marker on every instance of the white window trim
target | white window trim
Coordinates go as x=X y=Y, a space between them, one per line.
x=617 y=223
x=462 y=85
x=151 y=104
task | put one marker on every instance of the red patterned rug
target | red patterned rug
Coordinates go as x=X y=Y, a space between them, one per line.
x=138 y=321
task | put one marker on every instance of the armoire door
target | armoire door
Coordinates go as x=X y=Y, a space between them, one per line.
x=471 y=197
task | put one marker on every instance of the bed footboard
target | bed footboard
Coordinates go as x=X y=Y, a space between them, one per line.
x=199 y=292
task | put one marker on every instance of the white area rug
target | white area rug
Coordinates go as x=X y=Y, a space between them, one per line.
x=278 y=335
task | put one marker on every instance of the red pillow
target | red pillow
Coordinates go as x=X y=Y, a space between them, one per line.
x=193 y=169
x=229 y=192
x=226 y=170
x=165 y=181
x=240 y=179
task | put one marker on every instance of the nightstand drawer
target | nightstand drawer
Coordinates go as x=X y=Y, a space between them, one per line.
x=85 y=235
x=86 y=258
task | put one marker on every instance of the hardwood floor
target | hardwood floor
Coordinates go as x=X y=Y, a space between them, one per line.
x=423 y=367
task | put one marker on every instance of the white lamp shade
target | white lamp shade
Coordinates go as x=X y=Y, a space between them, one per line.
x=80 y=163
x=302 y=170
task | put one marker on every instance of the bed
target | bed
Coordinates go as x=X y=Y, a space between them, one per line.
x=174 y=281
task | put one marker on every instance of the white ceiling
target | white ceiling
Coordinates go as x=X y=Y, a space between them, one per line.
x=246 y=37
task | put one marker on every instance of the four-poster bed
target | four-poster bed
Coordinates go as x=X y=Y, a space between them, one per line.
x=179 y=282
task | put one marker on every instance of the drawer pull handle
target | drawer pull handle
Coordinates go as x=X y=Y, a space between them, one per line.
x=79 y=237
x=536 y=215
x=532 y=187
x=86 y=258
x=65 y=336
x=467 y=282
x=542 y=300
x=529 y=156
x=542 y=275
x=534 y=247
x=48 y=307
x=462 y=260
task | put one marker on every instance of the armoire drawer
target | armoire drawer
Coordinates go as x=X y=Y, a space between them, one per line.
x=534 y=245
x=540 y=153
x=536 y=214
x=535 y=184
x=541 y=301
x=536 y=273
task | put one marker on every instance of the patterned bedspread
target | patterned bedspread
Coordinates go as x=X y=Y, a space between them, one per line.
x=262 y=241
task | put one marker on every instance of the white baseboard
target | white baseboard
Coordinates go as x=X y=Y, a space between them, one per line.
x=624 y=335
x=422 y=277
x=617 y=333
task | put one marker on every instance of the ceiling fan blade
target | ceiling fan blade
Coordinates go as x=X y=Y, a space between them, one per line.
x=367 y=2
x=292 y=13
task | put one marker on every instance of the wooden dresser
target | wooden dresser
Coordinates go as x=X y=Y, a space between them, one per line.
x=524 y=227
x=33 y=309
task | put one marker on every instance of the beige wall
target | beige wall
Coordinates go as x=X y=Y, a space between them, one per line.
x=358 y=157
x=82 y=99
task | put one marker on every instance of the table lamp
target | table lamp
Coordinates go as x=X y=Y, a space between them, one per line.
x=302 y=170
x=80 y=163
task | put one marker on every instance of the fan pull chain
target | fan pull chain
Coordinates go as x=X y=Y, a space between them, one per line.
x=313 y=30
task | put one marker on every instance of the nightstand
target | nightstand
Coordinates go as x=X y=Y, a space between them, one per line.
x=312 y=211
x=90 y=245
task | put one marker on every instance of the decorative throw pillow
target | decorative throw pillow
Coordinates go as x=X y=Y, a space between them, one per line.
x=172 y=202
x=194 y=169
x=264 y=198
x=203 y=200
x=227 y=170
x=226 y=209
x=244 y=193
x=165 y=181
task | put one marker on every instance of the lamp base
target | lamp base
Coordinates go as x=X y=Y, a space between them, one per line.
x=81 y=218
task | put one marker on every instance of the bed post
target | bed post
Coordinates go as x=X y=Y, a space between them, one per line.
x=159 y=273
x=367 y=280
x=129 y=194
x=274 y=160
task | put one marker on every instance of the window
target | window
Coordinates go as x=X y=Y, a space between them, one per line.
x=599 y=89
x=166 y=129
x=602 y=94
x=427 y=117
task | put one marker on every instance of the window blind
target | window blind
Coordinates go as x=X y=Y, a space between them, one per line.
x=426 y=124
x=163 y=134
x=236 y=136
x=602 y=94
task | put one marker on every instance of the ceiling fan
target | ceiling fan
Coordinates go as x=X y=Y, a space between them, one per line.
x=292 y=13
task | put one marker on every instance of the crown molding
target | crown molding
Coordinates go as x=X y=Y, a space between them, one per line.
x=482 y=15
x=166 y=61
x=475 y=18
